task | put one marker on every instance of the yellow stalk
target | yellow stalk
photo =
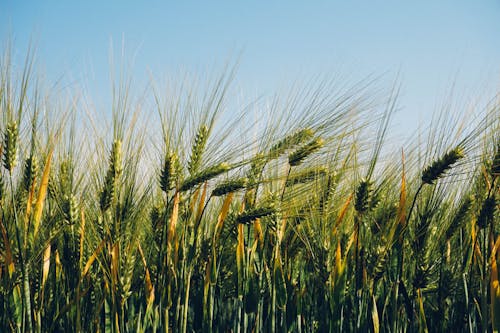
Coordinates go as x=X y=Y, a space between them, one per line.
x=195 y=200
x=93 y=257
x=29 y=204
x=173 y=218
x=150 y=290
x=258 y=231
x=46 y=265
x=222 y=216
x=114 y=266
x=375 y=318
x=423 y=321
x=82 y=237
x=281 y=232
x=240 y=252
x=42 y=193
x=342 y=213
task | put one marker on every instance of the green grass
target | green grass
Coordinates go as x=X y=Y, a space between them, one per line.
x=303 y=221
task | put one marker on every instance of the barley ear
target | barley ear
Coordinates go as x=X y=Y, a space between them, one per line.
x=10 y=146
x=487 y=213
x=30 y=171
x=168 y=172
x=114 y=172
x=296 y=157
x=205 y=175
x=437 y=169
x=200 y=141
x=363 y=193
x=253 y=214
x=289 y=141
x=230 y=186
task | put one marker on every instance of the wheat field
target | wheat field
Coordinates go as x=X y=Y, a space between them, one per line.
x=308 y=220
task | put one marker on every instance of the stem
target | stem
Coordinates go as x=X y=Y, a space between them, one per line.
x=414 y=201
x=286 y=179
x=26 y=300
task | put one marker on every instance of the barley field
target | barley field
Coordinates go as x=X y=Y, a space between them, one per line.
x=184 y=216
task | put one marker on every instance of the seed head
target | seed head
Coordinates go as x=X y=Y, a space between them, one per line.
x=306 y=176
x=363 y=193
x=230 y=186
x=300 y=154
x=205 y=175
x=10 y=146
x=439 y=167
x=30 y=171
x=200 y=141
x=487 y=213
x=168 y=172
x=114 y=172
x=251 y=215
x=459 y=217
x=70 y=209
x=290 y=141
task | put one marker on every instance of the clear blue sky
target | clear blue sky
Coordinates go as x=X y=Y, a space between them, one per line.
x=431 y=44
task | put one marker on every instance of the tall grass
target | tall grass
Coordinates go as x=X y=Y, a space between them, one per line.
x=214 y=221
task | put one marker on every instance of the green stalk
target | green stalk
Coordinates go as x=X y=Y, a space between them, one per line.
x=26 y=300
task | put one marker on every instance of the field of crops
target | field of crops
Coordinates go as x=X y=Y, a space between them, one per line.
x=200 y=218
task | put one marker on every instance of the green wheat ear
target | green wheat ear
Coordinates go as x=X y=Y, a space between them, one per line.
x=168 y=172
x=363 y=193
x=300 y=154
x=251 y=215
x=230 y=186
x=10 y=146
x=487 y=213
x=291 y=140
x=437 y=169
x=114 y=172
x=205 y=175
x=30 y=171
x=200 y=141
x=459 y=217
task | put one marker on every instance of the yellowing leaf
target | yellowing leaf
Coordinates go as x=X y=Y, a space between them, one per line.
x=222 y=216
x=46 y=265
x=42 y=193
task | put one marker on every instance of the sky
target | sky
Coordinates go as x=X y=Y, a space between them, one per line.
x=429 y=46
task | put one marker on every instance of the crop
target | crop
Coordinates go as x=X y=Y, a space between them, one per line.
x=309 y=224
